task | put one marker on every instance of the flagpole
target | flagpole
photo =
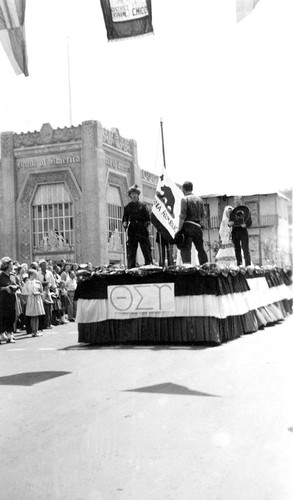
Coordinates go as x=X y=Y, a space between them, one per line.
x=69 y=83
x=163 y=145
x=168 y=249
x=125 y=238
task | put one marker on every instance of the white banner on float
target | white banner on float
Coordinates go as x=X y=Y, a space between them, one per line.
x=141 y=298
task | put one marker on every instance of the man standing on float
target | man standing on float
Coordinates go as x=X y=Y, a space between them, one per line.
x=240 y=220
x=190 y=223
x=136 y=219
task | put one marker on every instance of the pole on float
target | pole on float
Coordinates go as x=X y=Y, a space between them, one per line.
x=163 y=145
x=125 y=237
x=164 y=163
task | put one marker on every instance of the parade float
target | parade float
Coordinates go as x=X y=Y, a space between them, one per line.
x=180 y=304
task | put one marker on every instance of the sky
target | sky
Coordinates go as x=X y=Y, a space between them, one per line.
x=224 y=90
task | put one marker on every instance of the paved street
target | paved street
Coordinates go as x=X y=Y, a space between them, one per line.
x=147 y=423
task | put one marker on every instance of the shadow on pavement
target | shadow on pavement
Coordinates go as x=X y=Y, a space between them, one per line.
x=30 y=378
x=157 y=347
x=169 y=388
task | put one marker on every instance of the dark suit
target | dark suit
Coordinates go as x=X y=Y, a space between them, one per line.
x=240 y=239
x=192 y=213
x=137 y=216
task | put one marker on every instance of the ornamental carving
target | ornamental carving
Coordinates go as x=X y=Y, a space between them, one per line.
x=54 y=242
x=117 y=164
x=89 y=135
x=114 y=139
x=6 y=145
x=47 y=136
x=148 y=176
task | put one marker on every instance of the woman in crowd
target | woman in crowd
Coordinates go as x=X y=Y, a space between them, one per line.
x=18 y=304
x=56 y=274
x=8 y=288
x=70 y=285
x=65 y=273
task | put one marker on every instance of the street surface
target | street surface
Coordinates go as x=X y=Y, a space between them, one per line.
x=147 y=422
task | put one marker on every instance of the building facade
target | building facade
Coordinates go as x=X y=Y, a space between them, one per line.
x=270 y=233
x=63 y=191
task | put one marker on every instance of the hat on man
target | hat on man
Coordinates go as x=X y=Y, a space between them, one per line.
x=42 y=261
x=240 y=215
x=133 y=189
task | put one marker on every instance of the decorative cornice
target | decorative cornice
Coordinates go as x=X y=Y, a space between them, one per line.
x=149 y=177
x=113 y=138
x=47 y=136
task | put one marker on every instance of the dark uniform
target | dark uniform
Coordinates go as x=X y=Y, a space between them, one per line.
x=240 y=239
x=192 y=213
x=137 y=216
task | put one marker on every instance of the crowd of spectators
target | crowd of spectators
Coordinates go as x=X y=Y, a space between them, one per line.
x=38 y=296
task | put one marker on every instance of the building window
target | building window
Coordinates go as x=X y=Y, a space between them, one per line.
x=115 y=213
x=52 y=219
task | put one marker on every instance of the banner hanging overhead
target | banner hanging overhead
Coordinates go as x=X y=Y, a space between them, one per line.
x=244 y=7
x=127 y=18
x=12 y=33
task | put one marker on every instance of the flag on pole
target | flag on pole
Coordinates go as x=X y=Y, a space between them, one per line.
x=12 y=33
x=244 y=7
x=167 y=206
x=127 y=18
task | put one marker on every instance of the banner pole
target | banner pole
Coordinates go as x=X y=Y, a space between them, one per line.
x=163 y=145
x=125 y=247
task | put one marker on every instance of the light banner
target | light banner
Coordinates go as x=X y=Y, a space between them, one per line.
x=12 y=33
x=140 y=298
x=244 y=7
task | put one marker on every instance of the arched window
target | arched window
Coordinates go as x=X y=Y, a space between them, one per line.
x=52 y=218
x=115 y=231
x=114 y=211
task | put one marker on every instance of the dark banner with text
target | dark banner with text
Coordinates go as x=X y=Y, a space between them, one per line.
x=127 y=18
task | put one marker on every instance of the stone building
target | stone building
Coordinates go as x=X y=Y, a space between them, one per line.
x=271 y=231
x=62 y=193
x=63 y=190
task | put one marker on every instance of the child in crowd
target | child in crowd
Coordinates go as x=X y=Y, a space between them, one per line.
x=64 y=301
x=48 y=304
x=57 y=306
x=34 y=306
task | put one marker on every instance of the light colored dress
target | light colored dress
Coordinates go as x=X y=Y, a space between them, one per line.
x=226 y=252
x=34 y=306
